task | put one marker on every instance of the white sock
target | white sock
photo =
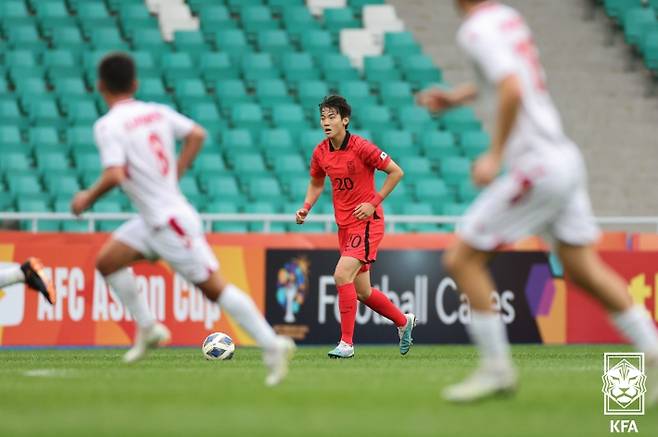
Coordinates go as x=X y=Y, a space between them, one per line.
x=242 y=308
x=488 y=333
x=11 y=275
x=124 y=285
x=636 y=325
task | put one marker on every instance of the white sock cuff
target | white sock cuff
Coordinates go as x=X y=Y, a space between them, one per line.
x=11 y=275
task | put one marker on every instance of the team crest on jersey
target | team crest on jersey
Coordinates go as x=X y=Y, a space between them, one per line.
x=351 y=169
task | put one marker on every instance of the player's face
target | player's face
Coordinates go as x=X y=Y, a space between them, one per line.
x=332 y=123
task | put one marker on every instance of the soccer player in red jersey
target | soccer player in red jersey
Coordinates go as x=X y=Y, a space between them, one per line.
x=350 y=163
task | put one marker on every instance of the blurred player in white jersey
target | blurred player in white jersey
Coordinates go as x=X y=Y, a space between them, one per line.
x=136 y=141
x=543 y=191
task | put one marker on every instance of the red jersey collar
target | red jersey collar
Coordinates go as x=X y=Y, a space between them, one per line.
x=343 y=146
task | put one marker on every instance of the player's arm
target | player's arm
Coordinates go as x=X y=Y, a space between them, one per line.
x=192 y=144
x=394 y=176
x=509 y=91
x=315 y=189
x=439 y=100
x=110 y=178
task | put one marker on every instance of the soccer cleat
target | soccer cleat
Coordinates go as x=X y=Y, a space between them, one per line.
x=343 y=350
x=483 y=383
x=277 y=359
x=145 y=339
x=37 y=280
x=405 y=334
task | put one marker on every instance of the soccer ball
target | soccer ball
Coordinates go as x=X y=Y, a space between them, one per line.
x=218 y=346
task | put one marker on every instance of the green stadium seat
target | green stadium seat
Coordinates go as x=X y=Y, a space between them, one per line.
x=188 y=185
x=289 y=116
x=150 y=87
x=223 y=188
x=474 y=143
x=6 y=201
x=67 y=37
x=275 y=42
x=379 y=69
x=217 y=66
x=148 y=39
x=62 y=185
x=59 y=58
x=255 y=18
x=52 y=161
x=206 y=114
x=132 y=10
x=15 y=161
x=187 y=89
x=31 y=205
x=438 y=145
x=651 y=51
x=264 y=188
x=357 y=93
x=309 y=138
x=70 y=87
x=10 y=135
x=337 y=68
x=192 y=42
x=454 y=209
x=617 y=8
x=298 y=66
x=20 y=58
x=317 y=42
x=420 y=69
x=397 y=143
x=460 y=120
x=237 y=139
x=455 y=170
x=289 y=164
x=297 y=20
x=416 y=167
x=271 y=92
x=92 y=11
x=221 y=207
x=433 y=190
x=230 y=93
x=46 y=137
x=9 y=111
x=415 y=119
x=374 y=117
x=24 y=184
x=248 y=164
x=82 y=111
x=336 y=19
x=211 y=163
x=311 y=92
x=278 y=6
x=256 y=66
x=247 y=116
x=636 y=23
x=400 y=44
x=466 y=191
x=44 y=112
x=232 y=41
x=213 y=15
x=396 y=94
x=89 y=162
x=51 y=9
x=80 y=137
x=275 y=138
x=24 y=37
x=13 y=9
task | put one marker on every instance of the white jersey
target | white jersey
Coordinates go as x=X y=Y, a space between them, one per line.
x=141 y=137
x=500 y=43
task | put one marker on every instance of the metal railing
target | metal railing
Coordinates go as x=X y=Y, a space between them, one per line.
x=267 y=219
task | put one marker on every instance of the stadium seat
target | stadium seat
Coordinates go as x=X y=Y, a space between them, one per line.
x=223 y=188
x=400 y=44
x=420 y=69
x=357 y=93
x=438 y=145
x=336 y=19
x=636 y=22
x=337 y=68
x=298 y=66
x=289 y=116
x=379 y=69
x=275 y=42
x=460 y=120
x=272 y=92
x=474 y=143
x=396 y=94
x=455 y=170
x=191 y=42
x=433 y=190
x=317 y=42
x=375 y=118
x=415 y=119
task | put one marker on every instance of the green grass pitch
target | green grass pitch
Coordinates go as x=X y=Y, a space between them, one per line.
x=378 y=393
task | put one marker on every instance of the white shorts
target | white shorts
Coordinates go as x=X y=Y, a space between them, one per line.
x=180 y=242
x=544 y=195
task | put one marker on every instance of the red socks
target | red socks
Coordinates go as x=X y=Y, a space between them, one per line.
x=347 y=307
x=380 y=303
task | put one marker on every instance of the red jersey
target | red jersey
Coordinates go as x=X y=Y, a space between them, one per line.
x=351 y=170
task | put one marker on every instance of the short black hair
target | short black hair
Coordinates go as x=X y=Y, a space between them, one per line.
x=118 y=72
x=337 y=103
